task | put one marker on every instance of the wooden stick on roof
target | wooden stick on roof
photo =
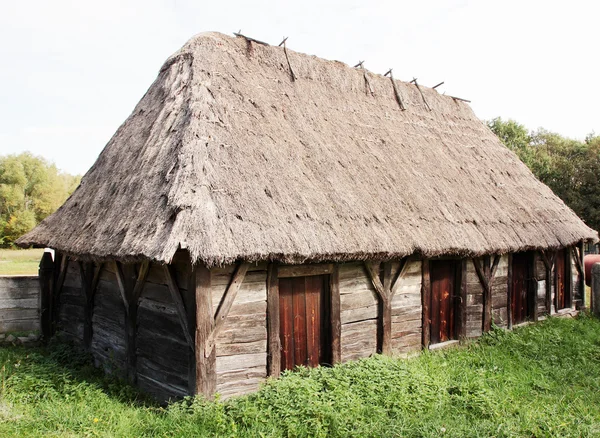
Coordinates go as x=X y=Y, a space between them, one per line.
x=368 y=87
x=435 y=86
x=396 y=92
x=239 y=34
x=292 y=74
x=421 y=92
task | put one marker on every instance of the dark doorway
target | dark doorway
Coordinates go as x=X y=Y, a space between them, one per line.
x=563 y=285
x=305 y=328
x=522 y=302
x=444 y=281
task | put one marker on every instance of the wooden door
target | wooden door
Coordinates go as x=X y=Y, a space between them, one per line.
x=443 y=288
x=562 y=295
x=304 y=321
x=520 y=301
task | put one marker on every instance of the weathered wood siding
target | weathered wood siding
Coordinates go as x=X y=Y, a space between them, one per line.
x=108 y=323
x=164 y=357
x=407 y=320
x=500 y=293
x=241 y=346
x=575 y=292
x=359 y=312
x=71 y=300
x=474 y=303
x=19 y=303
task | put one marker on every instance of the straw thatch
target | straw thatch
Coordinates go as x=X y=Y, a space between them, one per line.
x=229 y=157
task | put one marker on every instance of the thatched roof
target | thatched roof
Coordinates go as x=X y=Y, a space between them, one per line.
x=227 y=156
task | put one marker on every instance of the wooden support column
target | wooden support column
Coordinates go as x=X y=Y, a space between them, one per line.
x=486 y=274
x=548 y=261
x=274 y=343
x=462 y=312
x=336 y=324
x=206 y=373
x=577 y=254
x=46 y=277
x=54 y=304
x=509 y=294
x=385 y=292
x=426 y=303
x=130 y=294
x=86 y=278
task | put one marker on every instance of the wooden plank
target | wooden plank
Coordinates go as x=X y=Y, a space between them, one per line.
x=274 y=350
x=206 y=376
x=54 y=305
x=304 y=270
x=404 y=267
x=121 y=284
x=46 y=279
x=181 y=312
x=336 y=324
x=226 y=303
x=373 y=271
x=462 y=312
x=314 y=351
x=299 y=320
x=286 y=320
x=86 y=283
x=509 y=292
x=426 y=296
x=582 y=275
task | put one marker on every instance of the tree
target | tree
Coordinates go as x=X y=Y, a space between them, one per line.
x=571 y=168
x=31 y=188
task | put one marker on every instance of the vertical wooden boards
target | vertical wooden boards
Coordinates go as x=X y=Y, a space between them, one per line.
x=406 y=308
x=72 y=303
x=499 y=287
x=426 y=302
x=358 y=312
x=304 y=323
x=165 y=363
x=581 y=283
x=274 y=345
x=206 y=375
x=462 y=321
x=441 y=312
x=520 y=308
x=560 y=292
x=335 y=314
x=509 y=292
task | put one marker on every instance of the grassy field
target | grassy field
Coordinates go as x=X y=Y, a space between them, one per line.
x=540 y=380
x=20 y=261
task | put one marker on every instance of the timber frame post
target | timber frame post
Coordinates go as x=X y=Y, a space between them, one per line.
x=54 y=302
x=486 y=274
x=130 y=294
x=509 y=293
x=385 y=292
x=426 y=303
x=206 y=373
x=336 y=324
x=548 y=261
x=462 y=298
x=273 y=342
x=577 y=253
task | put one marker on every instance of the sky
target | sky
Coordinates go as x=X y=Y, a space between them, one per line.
x=72 y=71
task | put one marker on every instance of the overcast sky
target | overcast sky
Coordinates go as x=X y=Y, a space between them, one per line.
x=72 y=71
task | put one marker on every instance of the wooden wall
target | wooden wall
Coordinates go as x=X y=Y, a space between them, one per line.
x=500 y=293
x=474 y=303
x=71 y=315
x=19 y=303
x=241 y=346
x=540 y=278
x=407 y=320
x=359 y=312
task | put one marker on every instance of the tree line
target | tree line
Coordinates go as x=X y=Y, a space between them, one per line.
x=31 y=188
x=571 y=168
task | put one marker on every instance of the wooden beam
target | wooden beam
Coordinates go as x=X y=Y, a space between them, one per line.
x=582 y=275
x=225 y=306
x=404 y=263
x=385 y=306
x=121 y=283
x=86 y=284
x=509 y=294
x=462 y=328
x=486 y=275
x=55 y=301
x=181 y=312
x=206 y=374
x=387 y=276
x=274 y=342
x=336 y=325
x=140 y=281
x=426 y=302
x=304 y=270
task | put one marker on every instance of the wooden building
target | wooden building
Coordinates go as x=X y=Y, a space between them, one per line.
x=262 y=209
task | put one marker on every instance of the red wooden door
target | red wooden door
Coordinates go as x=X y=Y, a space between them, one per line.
x=304 y=321
x=520 y=287
x=443 y=285
x=562 y=295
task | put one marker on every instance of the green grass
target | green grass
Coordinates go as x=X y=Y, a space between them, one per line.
x=540 y=380
x=20 y=261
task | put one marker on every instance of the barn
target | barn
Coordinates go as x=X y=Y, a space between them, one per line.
x=262 y=209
